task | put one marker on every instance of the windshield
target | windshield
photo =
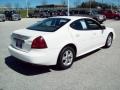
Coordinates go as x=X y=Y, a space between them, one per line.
x=96 y=12
x=49 y=25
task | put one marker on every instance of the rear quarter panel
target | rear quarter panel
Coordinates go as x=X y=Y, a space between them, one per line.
x=59 y=38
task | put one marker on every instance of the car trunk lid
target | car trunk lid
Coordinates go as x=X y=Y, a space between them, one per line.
x=22 y=39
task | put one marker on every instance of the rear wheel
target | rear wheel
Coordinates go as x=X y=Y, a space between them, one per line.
x=66 y=58
x=109 y=41
x=117 y=18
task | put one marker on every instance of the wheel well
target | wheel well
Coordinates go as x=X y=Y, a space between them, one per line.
x=69 y=45
x=72 y=46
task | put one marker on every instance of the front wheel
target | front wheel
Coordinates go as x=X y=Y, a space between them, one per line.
x=66 y=58
x=109 y=41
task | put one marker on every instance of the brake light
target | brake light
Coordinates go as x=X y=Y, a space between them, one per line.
x=39 y=43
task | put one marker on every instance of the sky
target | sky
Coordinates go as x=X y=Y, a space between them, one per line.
x=33 y=3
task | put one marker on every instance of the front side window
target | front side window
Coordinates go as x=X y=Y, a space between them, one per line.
x=49 y=25
x=92 y=25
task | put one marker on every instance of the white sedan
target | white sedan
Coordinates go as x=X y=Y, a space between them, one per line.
x=58 y=40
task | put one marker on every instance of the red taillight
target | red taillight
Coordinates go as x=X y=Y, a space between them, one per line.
x=39 y=43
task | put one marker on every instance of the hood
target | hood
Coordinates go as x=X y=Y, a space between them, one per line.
x=16 y=15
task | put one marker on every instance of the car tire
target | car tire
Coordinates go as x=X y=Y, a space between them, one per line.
x=117 y=18
x=19 y=19
x=109 y=41
x=101 y=22
x=66 y=58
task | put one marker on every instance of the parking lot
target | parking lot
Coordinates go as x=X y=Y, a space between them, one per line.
x=98 y=70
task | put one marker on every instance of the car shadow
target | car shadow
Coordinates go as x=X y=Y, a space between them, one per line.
x=31 y=69
x=25 y=68
x=86 y=55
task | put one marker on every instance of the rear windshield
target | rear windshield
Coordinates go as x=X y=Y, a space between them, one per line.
x=49 y=25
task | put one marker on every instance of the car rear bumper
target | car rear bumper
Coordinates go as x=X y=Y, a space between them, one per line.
x=2 y=19
x=41 y=58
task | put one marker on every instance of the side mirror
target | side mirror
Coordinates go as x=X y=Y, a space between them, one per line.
x=103 y=27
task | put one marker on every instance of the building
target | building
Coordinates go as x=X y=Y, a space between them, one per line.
x=2 y=8
x=51 y=7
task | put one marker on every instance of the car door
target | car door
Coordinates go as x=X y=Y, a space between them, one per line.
x=82 y=37
x=109 y=14
x=96 y=31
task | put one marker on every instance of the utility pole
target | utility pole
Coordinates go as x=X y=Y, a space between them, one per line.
x=118 y=4
x=111 y=6
x=90 y=4
x=27 y=8
x=102 y=4
x=102 y=1
x=68 y=8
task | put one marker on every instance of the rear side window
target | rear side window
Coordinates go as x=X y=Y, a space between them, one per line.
x=78 y=25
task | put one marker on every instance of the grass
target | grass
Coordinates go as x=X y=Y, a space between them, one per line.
x=23 y=13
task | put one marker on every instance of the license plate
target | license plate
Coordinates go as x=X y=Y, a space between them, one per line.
x=19 y=43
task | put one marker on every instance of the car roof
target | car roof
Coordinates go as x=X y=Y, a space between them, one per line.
x=71 y=17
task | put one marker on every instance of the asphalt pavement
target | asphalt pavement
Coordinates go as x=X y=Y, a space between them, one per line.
x=98 y=70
